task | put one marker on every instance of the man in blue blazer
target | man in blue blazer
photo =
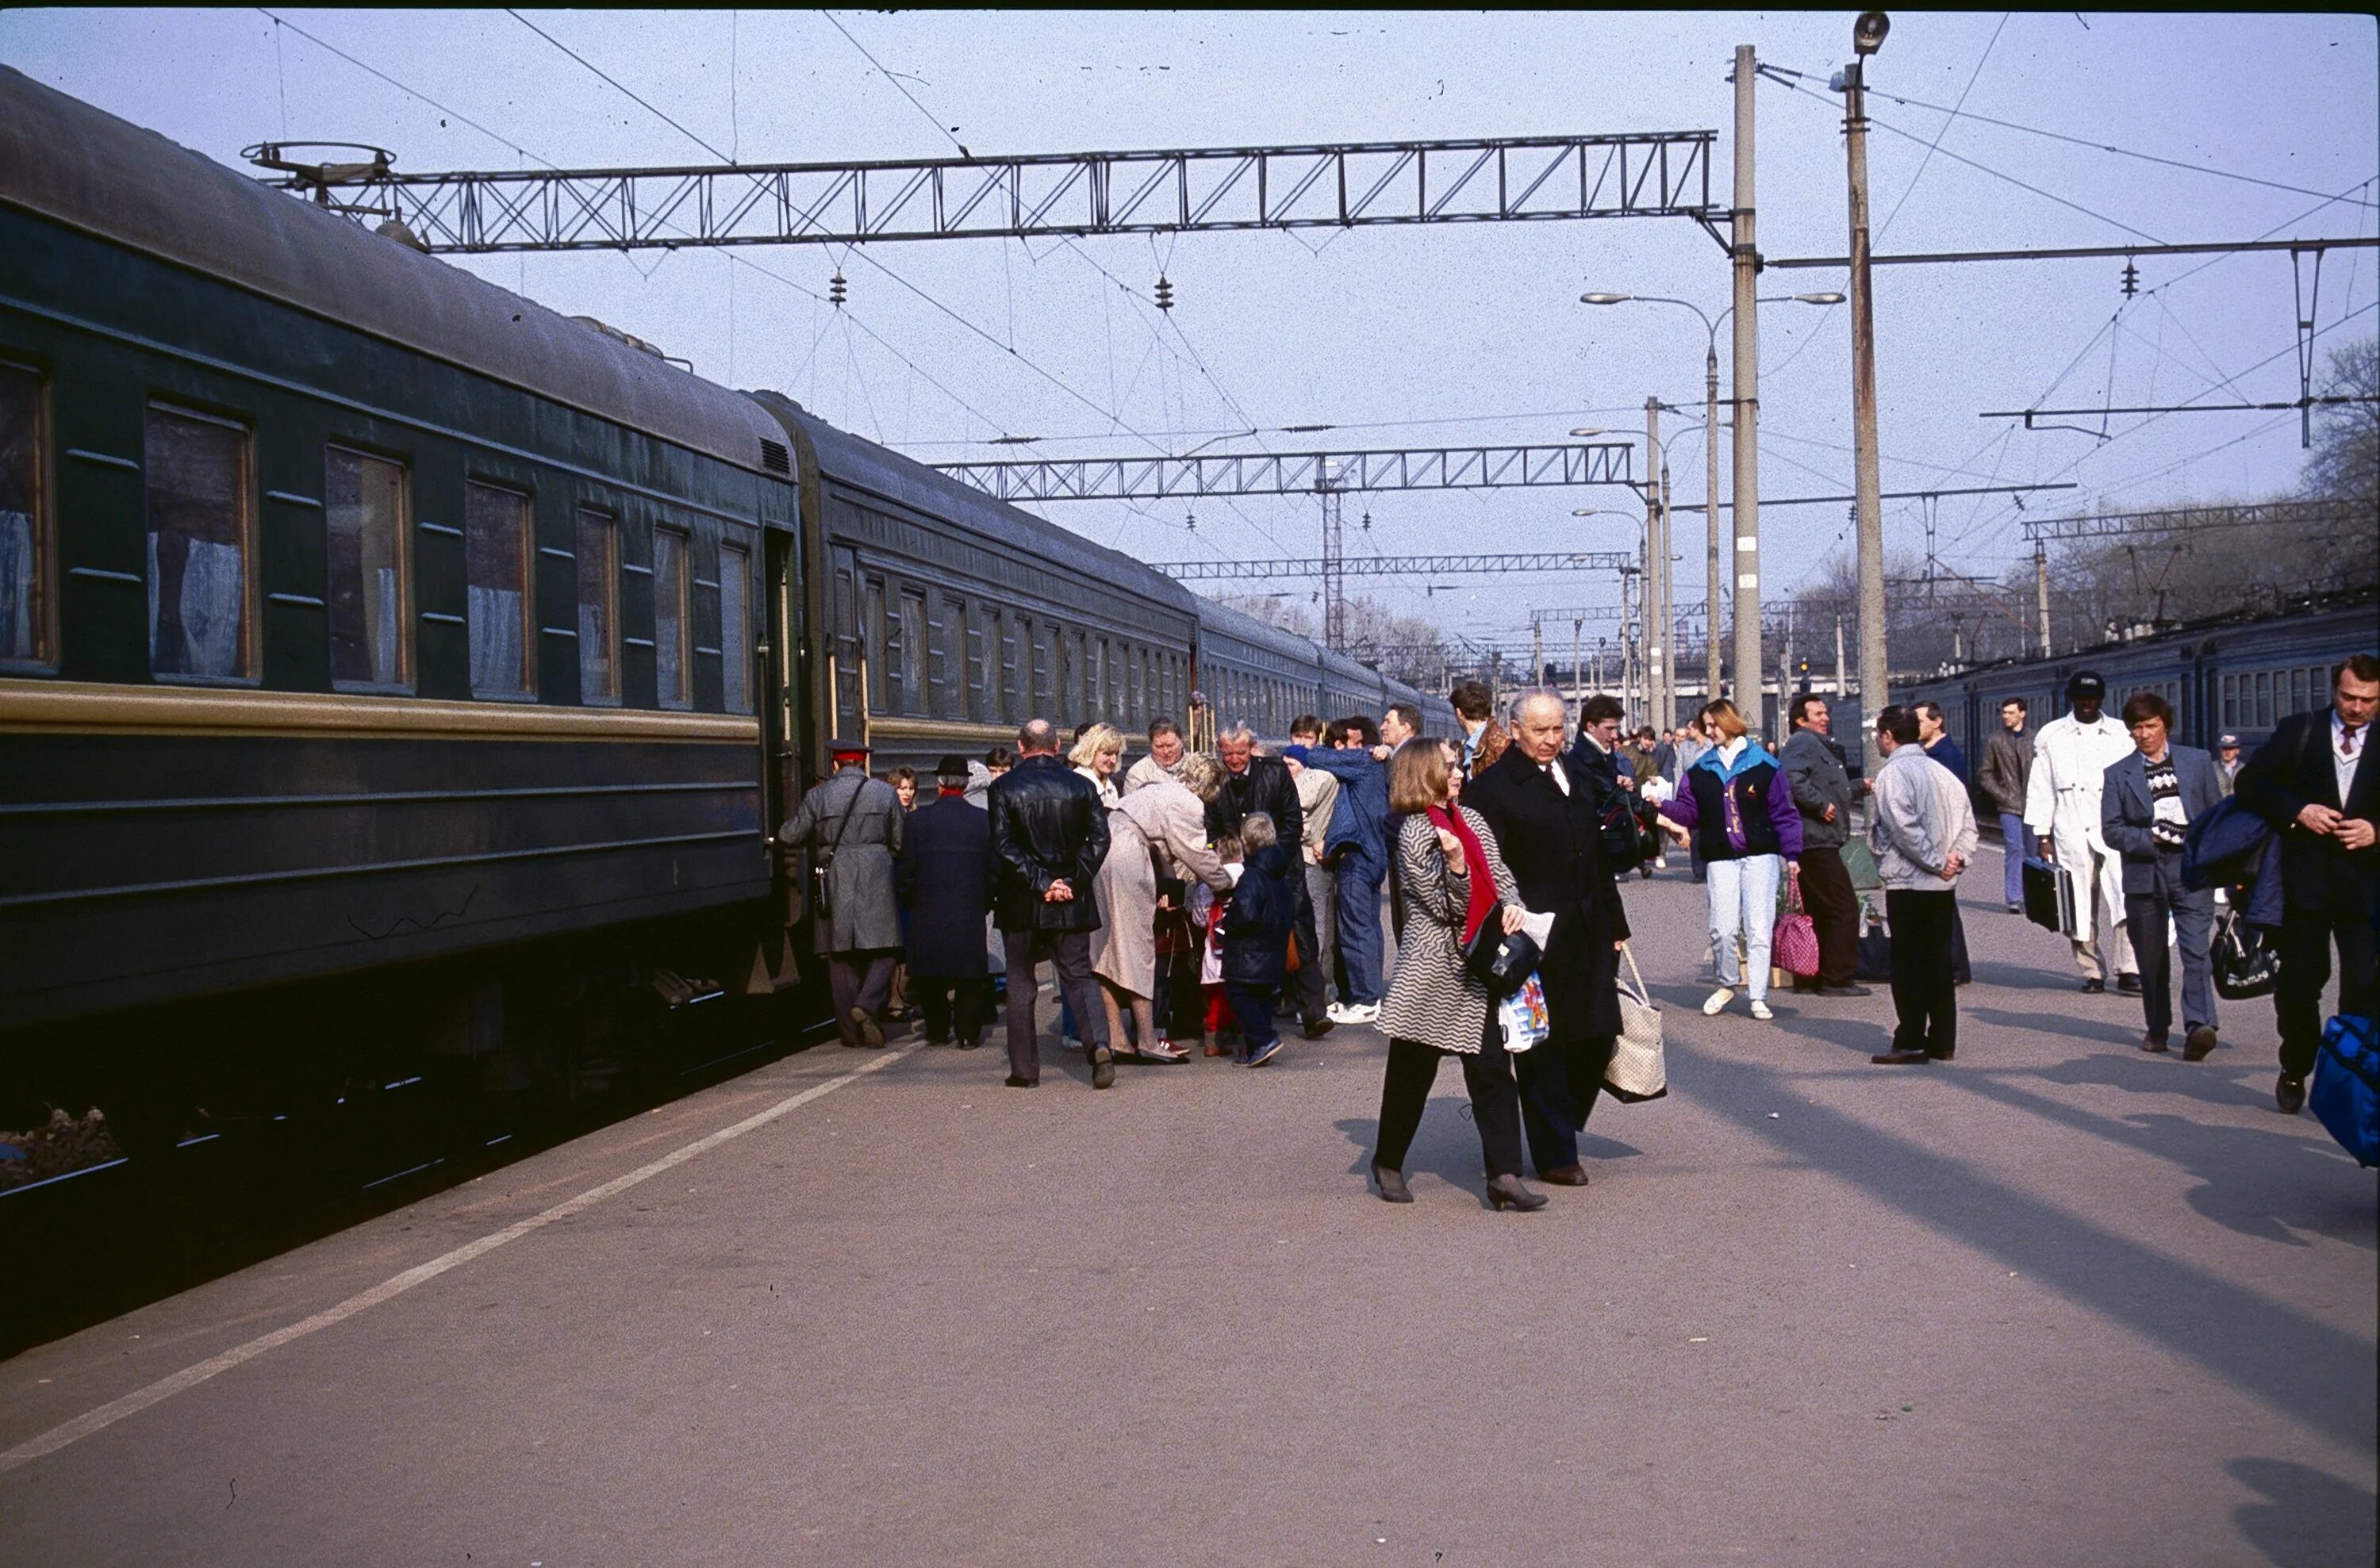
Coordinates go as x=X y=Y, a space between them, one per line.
x=2146 y=809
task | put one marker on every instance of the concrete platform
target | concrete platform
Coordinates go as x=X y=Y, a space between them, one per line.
x=2058 y=1302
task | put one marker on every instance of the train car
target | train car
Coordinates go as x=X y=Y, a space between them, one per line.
x=949 y=617
x=382 y=660
x=2241 y=674
x=1349 y=688
x=1437 y=713
x=1255 y=674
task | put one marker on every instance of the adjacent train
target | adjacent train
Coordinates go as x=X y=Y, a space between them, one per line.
x=2238 y=674
x=398 y=676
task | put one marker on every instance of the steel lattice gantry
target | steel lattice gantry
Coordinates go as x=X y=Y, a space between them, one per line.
x=2289 y=514
x=1401 y=565
x=1300 y=473
x=1336 y=184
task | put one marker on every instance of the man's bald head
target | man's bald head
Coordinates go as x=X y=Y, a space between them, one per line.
x=1038 y=736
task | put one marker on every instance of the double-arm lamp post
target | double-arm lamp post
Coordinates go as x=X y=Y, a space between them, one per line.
x=1710 y=492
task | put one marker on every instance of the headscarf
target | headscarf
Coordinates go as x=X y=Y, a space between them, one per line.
x=1474 y=857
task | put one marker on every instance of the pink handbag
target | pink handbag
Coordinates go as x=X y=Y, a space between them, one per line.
x=1793 y=945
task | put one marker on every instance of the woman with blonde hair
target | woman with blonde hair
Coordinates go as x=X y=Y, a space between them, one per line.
x=1450 y=879
x=1098 y=752
x=1735 y=807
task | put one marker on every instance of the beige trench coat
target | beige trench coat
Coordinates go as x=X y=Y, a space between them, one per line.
x=1158 y=829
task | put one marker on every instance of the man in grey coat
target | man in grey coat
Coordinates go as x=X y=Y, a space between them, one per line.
x=1923 y=836
x=2145 y=810
x=851 y=824
x=2003 y=777
x=1822 y=792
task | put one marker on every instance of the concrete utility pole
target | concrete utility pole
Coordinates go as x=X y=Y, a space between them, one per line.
x=1627 y=647
x=1577 y=658
x=1656 y=549
x=2041 y=591
x=1867 y=37
x=1746 y=380
x=1711 y=622
x=1536 y=655
x=1840 y=687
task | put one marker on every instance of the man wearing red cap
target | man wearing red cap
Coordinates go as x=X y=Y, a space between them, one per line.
x=851 y=824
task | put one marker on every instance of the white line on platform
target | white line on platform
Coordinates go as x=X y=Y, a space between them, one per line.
x=140 y=1399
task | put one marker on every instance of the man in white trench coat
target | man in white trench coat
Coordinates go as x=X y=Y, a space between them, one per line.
x=2071 y=758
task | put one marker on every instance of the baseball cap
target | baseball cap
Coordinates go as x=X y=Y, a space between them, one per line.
x=2228 y=741
x=2086 y=683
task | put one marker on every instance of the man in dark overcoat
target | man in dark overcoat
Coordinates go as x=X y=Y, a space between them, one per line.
x=1048 y=835
x=945 y=875
x=2312 y=783
x=1542 y=807
x=851 y=824
x=1254 y=784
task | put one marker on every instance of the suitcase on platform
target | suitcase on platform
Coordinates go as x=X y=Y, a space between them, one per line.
x=2048 y=896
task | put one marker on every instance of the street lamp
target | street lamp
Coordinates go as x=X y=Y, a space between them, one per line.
x=1867 y=37
x=1747 y=627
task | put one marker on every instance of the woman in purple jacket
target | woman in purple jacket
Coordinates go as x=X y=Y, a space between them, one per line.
x=1734 y=807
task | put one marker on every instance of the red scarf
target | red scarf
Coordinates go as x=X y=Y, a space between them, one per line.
x=1475 y=856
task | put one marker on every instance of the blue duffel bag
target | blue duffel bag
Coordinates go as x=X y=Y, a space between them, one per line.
x=2346 y=1093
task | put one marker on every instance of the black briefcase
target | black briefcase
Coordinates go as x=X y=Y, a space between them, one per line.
x=2048 y=896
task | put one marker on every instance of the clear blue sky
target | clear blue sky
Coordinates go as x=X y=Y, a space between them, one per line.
x=1415 y=335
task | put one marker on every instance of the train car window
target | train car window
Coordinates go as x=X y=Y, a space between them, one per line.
x=24 y=518
x=877 y=658
x=1045 y=693
x=1011 y=703
x=199 y=545
x=363 y=520
x=735 y=628
x=974 y=700
x=941 y=701
x=598 y=606
x=673 y=625
x=913 y=653
x=495 y=574
x=1072 y=649
x=846 y=613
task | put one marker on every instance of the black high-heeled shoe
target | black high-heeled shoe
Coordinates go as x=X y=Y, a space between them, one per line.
x=1391 y=1185
x=1506 y=1192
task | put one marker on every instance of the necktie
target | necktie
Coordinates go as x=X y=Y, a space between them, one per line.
x=2346 y=740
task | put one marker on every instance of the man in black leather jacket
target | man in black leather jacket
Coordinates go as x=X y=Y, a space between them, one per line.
x=1048 y=835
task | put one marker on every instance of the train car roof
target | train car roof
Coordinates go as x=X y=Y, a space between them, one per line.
x=81 y=166
x=864 y=465
x=1248 y=629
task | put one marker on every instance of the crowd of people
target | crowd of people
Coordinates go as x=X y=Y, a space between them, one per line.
x=1200 y=900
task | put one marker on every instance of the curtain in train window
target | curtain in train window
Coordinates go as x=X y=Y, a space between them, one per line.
x=941 y=701
x=495 y=574
x=598 y=606
x=1012 y=700
x=1045 y=696
x=24 y=514
x=363 y=511
x=735 y=628
x=673 y=625
x=913 y=653
x=198 y=507
x=967 y=636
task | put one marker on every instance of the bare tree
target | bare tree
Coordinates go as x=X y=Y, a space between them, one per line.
x=2345 y=465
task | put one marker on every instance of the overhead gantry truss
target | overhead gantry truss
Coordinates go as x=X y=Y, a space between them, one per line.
x=1300 y=473
x=1330 y=184
x=1402 y=565
x=2293 y=515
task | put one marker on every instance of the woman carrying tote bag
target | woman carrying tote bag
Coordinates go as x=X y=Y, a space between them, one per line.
x=1451 y=881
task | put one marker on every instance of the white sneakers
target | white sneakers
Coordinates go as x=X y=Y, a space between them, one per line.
x=1363 y=1012
x=1715 y=1004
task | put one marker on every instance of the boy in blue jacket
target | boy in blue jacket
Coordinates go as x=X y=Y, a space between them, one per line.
x=1257 y=926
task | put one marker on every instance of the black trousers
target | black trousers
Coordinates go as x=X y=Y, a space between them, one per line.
x=1310 y=986
x=1560 y=1081
x=861 y=979
x=1068 y=953
x=936 y=993
x=1495 y=1102
x=1923 y=924
x=1963 y=972
x=2307 y=937
x=1834 y=909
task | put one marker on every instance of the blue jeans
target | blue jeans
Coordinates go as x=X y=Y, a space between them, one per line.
x=1360 y=875
x=2019 y=839
x=1742 y=898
